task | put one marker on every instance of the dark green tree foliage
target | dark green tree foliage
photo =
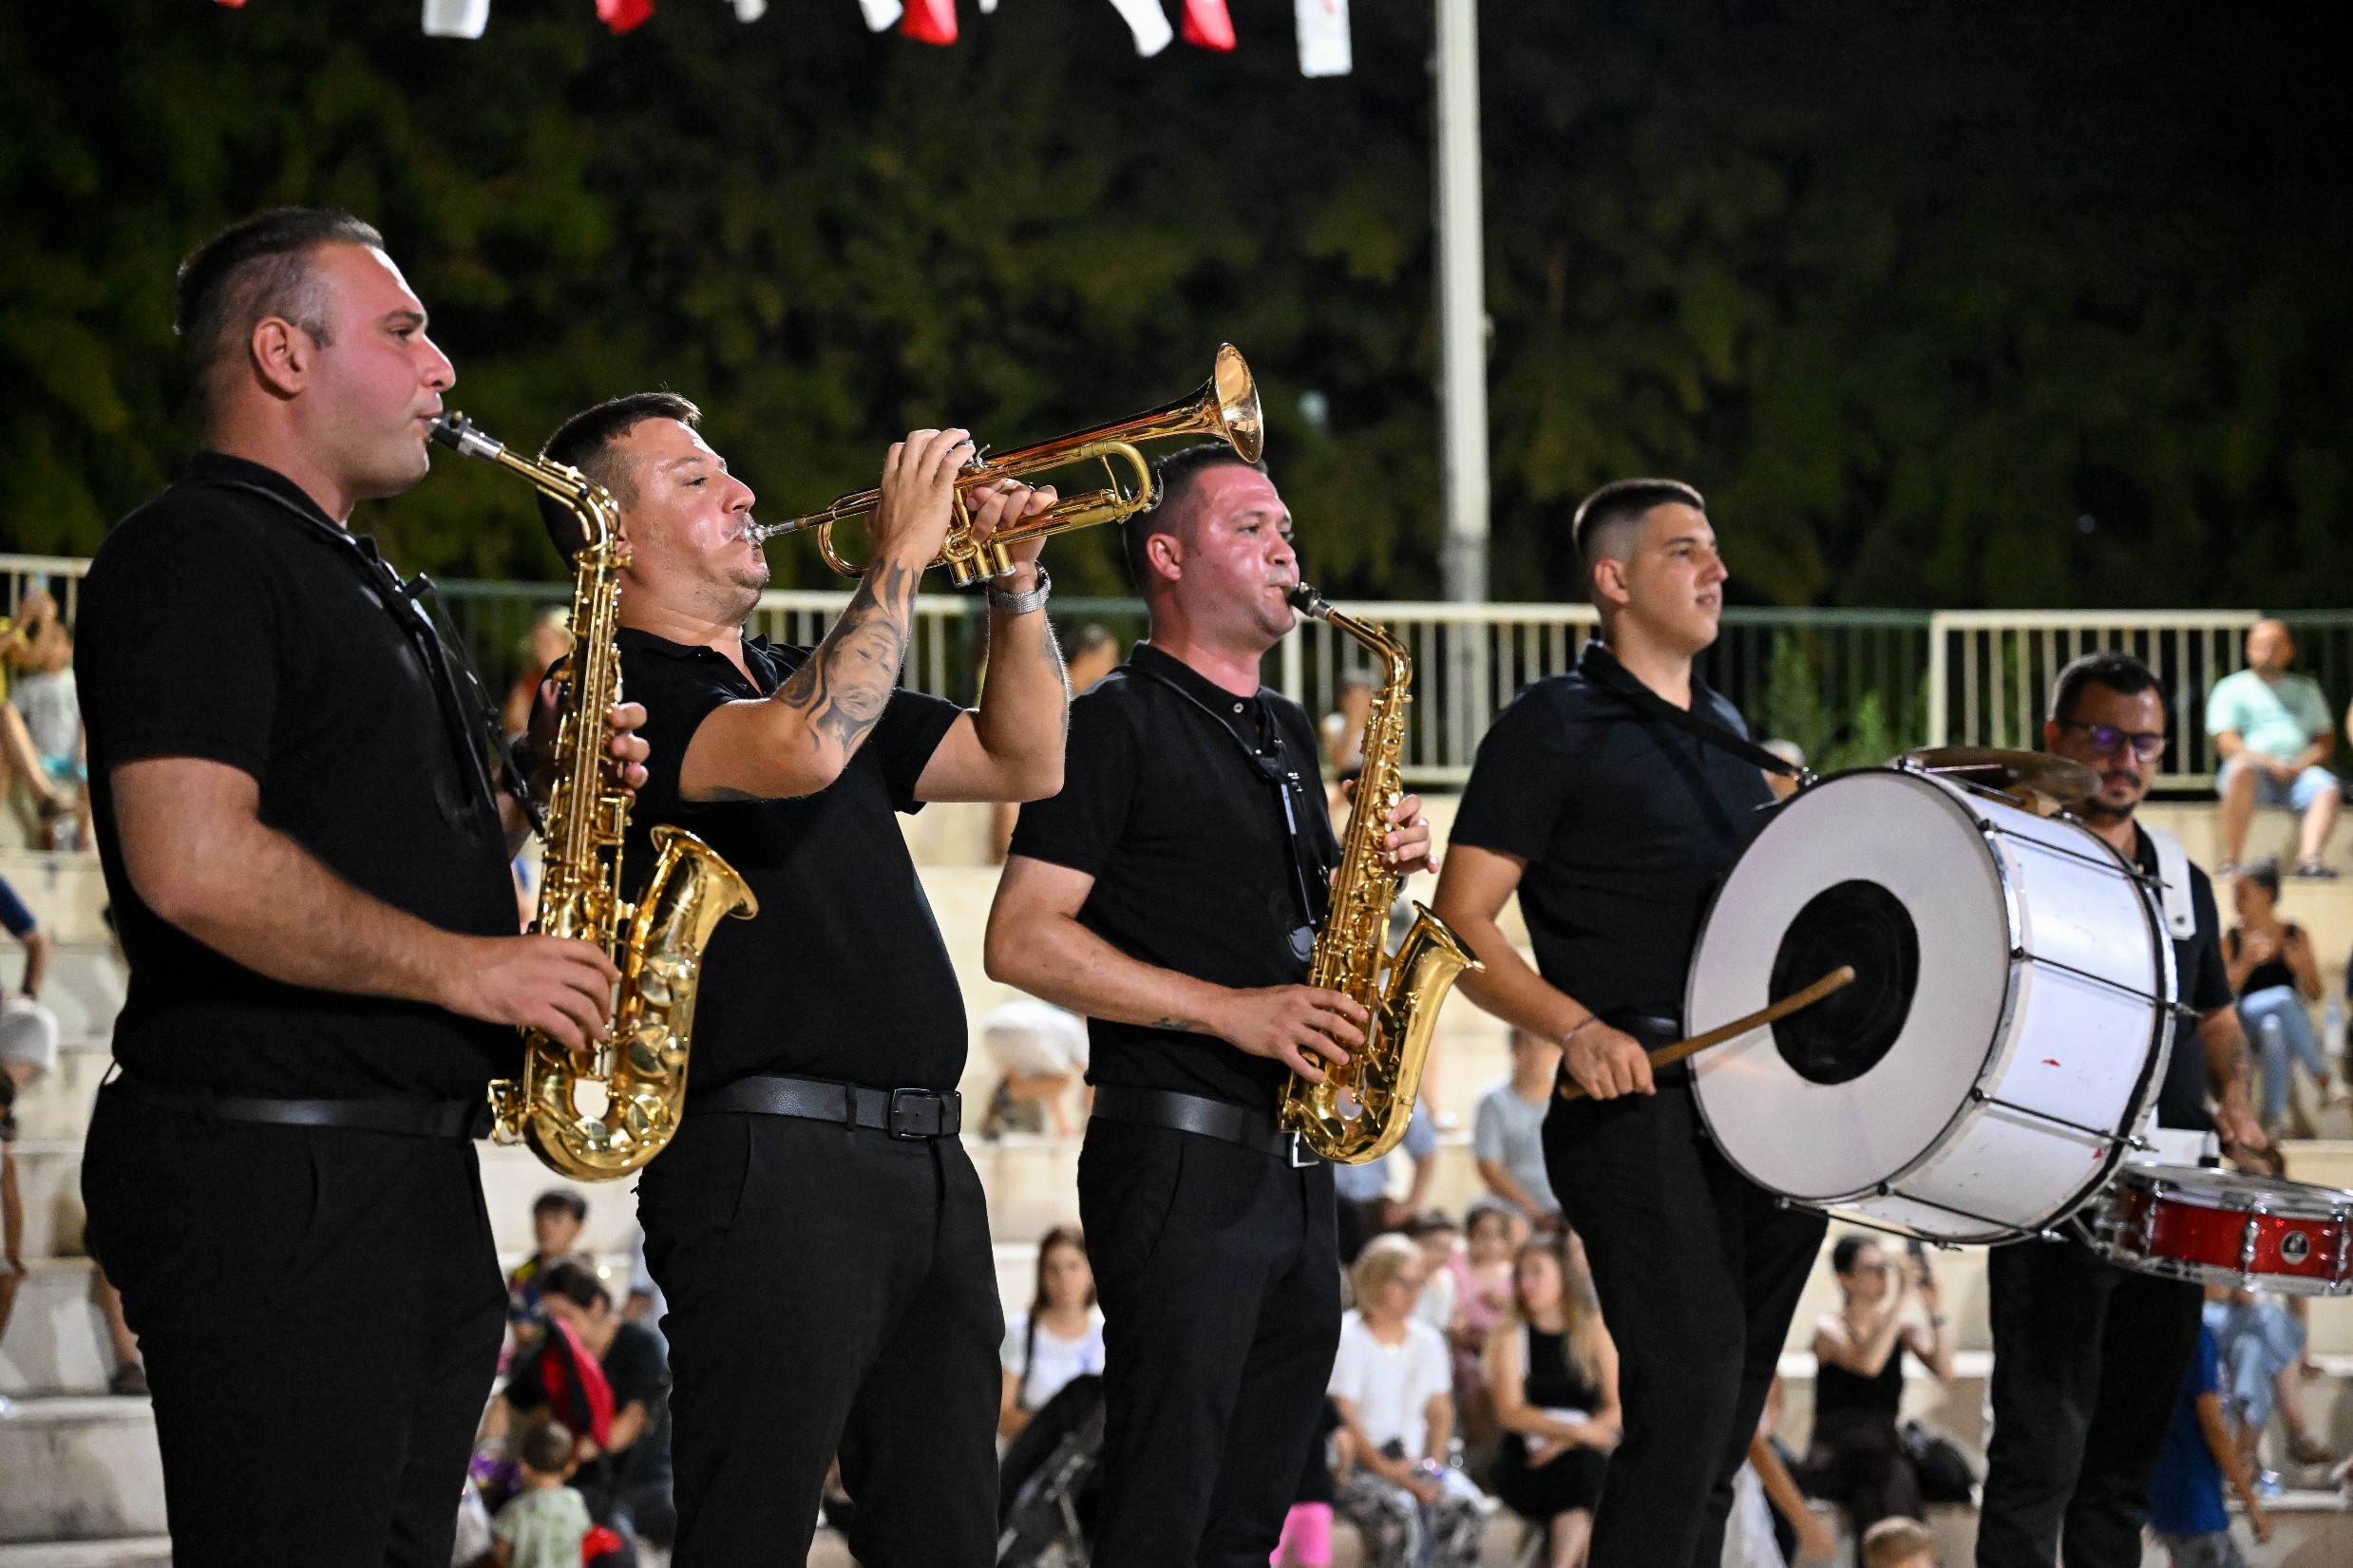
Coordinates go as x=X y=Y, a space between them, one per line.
x=1912 y=291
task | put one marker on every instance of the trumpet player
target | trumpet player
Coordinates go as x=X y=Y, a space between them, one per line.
x=1170 y=893
x=307 y=854
x=815 y=1225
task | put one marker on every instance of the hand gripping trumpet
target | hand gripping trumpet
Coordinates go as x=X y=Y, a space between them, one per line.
x=1226 y=406
x=1360 y=1110
x=657 y=943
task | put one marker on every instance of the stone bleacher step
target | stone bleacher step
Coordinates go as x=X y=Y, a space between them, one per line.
x=126 y=1552
x=56 y=1340
x=79 y=1469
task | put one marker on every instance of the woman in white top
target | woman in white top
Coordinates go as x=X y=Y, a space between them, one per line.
x=1393 y=1384
x=1059 y=1338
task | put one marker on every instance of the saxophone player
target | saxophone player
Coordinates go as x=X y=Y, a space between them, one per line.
x=307 y=862
x=1170 y=894
x=817 y=1229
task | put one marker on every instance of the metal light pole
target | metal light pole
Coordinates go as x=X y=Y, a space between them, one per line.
x=1462 y=299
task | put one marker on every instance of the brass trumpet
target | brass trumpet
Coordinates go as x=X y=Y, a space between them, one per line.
x=1227 y=407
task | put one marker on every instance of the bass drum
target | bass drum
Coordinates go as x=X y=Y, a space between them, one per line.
x=2007 y=1027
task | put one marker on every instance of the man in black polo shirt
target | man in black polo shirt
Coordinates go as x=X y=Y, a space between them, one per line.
x=2088 y=1357
x=1612 y=824
x=1170 y=894
x=816 y=1227
x=308 y=865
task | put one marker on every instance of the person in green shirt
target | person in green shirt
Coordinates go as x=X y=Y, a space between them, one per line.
x=543 y=1524
x=2275 y=734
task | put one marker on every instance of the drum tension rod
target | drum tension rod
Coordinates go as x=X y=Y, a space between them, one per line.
x=1844 y=1218
x=2095 y=1134
x=1886 y=1190
x=2020 y=955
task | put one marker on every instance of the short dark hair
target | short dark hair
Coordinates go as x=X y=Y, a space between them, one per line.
x=2120 y=673
x=544 y=1448
x=1848 y=1248
x=250 y=272
x=1173 y=477
x=585 y=441
x=2265 y=874
x=575 y=1282
x=1605 y=517
x=560 y=1200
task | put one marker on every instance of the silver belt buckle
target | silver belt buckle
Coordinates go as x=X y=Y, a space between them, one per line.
x=1299 y=1154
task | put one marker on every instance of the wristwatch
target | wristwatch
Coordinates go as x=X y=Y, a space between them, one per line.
x=1021 y=604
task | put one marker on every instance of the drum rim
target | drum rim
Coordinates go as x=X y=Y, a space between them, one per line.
x=2203 y=1188
x=1959 y=796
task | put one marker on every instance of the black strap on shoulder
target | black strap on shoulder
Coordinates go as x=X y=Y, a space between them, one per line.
x=1608 y=673
x=1291 y=795
x=466 y=711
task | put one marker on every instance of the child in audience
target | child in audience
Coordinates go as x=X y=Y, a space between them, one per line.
x=1899 y=1543
x=543 y=1524
x=2185 y=1495
x=557 y=1216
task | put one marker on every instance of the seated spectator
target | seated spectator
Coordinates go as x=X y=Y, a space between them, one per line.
x=2273 y=732
x=1898 y=1544
x=1343 y=736
x=1483 y=1294
x=1857 y=1458
x=1772 y=1524
x=1306 y=1540
x=1440 y=1241
x=626 y=1478
x=557 y=1216
x=1361 y=1192
x=1393 y=1391
x=1507 y=1134
x=549 y=639
x=2275 y=972
x=545 y=1522
x=1554 y=1373
x=2260 y=1340
x=2185 y=1511
x=26 y=642
x=1059 y=1338
x=44 y=697
x=1041 y=1050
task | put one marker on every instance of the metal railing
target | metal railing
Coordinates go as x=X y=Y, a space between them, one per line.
x=1849 y=686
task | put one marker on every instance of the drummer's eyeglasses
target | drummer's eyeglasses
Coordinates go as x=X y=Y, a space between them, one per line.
x=2107 y=740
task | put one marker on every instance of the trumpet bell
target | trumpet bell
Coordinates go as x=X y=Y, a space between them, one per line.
x=1235 y=391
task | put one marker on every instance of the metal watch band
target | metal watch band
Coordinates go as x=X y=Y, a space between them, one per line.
x=1021 y=604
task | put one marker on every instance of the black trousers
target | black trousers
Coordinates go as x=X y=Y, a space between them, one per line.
x=2088 y=1361
x=320 y=1311
x=1697 y=1270
x=832 y=1291
x=1220 y=1284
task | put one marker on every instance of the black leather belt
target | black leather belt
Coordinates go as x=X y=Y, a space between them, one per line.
x=1252 y=1129
x=903 y=1113
x=459 y=1119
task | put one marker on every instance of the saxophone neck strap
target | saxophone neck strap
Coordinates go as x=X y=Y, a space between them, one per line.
x=466 y=712
x=1272 y=764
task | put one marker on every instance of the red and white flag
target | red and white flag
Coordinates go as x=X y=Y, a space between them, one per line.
x=930 y=21
x=1207 y=26
x=621 y=16
x=1148 y=22
x=1324 y=37
x=456 y=18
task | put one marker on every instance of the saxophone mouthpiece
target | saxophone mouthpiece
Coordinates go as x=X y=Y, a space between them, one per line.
x=1309 y=602
x=455 y=431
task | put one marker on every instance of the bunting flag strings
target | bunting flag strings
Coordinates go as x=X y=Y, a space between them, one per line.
x=1207 y=26
x=456 y=18
x=1148 y=22
x=1324 y=48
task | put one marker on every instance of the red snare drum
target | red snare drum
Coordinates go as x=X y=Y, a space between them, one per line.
x=2222 y=1227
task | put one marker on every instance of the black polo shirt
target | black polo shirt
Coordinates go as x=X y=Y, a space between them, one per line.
x=842 y=975
x=2202 y=981
x=1186 y=839
x=1626 y=823
x=217 y=623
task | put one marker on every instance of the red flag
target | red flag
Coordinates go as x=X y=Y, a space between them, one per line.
x=1207 y=26
x=621 y=16
x=930 y=21
x=233 y=5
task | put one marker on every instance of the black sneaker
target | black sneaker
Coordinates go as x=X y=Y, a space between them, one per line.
x=2314 y=871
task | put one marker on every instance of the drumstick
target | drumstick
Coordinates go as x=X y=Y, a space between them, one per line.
x=1837 y=979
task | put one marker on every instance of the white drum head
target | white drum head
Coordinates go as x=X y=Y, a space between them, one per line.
x=1827 y=1108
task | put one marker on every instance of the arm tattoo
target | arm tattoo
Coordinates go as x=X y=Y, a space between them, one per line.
x=846 y=684
x=1176 y=1026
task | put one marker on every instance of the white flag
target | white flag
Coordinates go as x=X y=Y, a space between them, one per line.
x=750 y=11
x=882 y=16
x=988 y=8
x=456 y=18
x=1324 y=37
x=1148 y=22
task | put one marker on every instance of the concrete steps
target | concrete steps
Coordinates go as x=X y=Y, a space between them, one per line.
x=79 y=1469
x=56 y=1340
x=124 y=1552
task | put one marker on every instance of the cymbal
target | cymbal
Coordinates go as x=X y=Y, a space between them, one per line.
x=2036 y=775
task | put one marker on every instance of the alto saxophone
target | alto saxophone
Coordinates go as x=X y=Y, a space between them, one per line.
x=1360 y=1110
x=657 y=943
